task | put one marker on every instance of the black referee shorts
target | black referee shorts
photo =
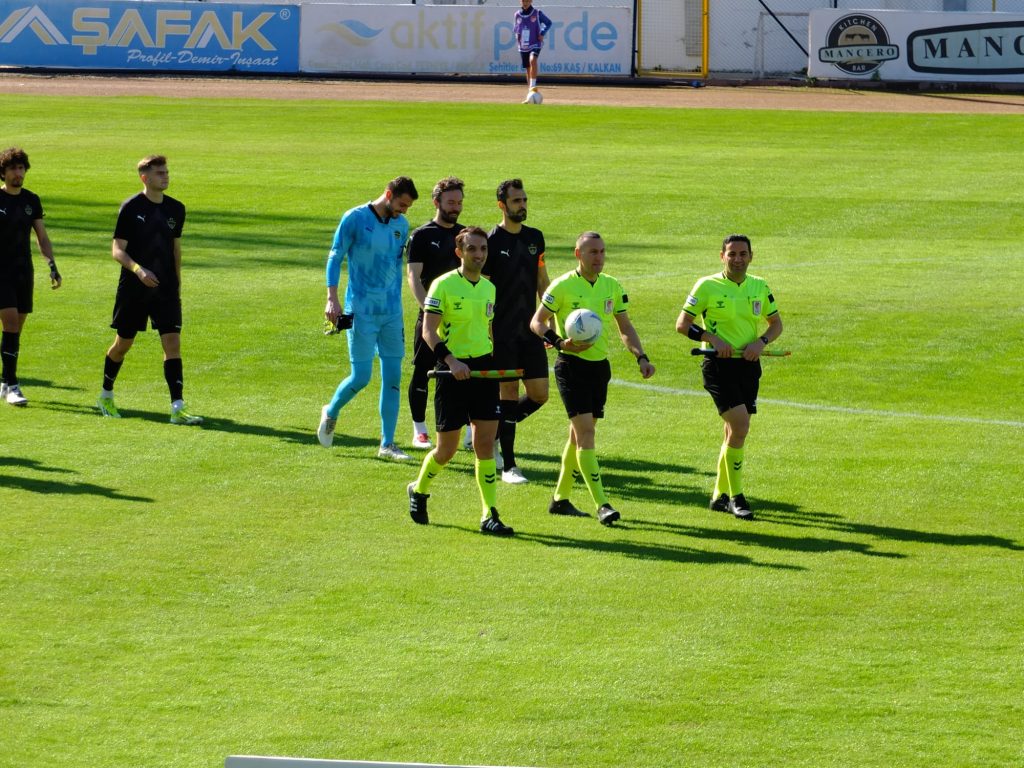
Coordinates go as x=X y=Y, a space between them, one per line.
x=583 y=384
x=457 y=403
x=16 y=288
x=524 y=351
x=132 y=310
x=732 y=381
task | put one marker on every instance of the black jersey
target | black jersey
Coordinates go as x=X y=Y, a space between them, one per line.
x=433 y=246
x=513 y=264
x=151 y=229
x=17 y=214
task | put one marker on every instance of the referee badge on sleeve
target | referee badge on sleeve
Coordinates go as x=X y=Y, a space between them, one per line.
x=432 y=302
x=691 y=300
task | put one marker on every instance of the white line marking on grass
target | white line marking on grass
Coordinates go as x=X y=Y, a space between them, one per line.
x=832 y=408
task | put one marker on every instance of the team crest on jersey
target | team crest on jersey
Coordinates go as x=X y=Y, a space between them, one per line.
x=28 y=210
x=755 y=307
x=490 y=309
x=397 y=235
x=609 y=305
x=171 y=223
x=532 y=249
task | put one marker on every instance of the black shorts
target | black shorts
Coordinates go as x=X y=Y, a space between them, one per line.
x=732 y=381
x=457 y=403
x=133 y=309
x=524 y=351
x=16 y=290
x=422 y=355
x=525 y=56
x=583 y=384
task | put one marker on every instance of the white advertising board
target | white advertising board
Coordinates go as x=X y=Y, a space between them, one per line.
x=472 y=40
x=911 y=46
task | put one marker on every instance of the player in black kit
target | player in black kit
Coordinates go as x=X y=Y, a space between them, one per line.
x=515 y=264
x=431 y=254
x=147 y=245
x=21 y=212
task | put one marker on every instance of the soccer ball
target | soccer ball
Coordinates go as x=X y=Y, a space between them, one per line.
x=535 y=97
x=584 y=326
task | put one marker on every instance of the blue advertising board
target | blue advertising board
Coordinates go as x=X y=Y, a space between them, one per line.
x=182 y=36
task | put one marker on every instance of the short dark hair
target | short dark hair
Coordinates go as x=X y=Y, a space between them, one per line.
x=13 y=156
x=150 y=161
x=466 y=233
x=506 y=185
x=737 y=239
x=588 y=235
x=447 y=184
x=402 y=185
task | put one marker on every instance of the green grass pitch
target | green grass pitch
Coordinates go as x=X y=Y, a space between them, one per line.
x=169 y=596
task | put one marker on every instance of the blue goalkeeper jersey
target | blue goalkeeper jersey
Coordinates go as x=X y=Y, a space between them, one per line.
x=374 y=249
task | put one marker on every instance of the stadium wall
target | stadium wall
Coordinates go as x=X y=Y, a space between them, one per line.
x=749 y=39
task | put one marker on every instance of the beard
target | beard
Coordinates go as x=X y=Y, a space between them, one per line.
x=518 y=217
x=448 y=218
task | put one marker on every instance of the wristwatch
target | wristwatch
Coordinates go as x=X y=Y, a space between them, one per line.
x=764 y=340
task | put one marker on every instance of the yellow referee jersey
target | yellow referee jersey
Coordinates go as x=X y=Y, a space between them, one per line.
x=732 y=312
x=466 y=311
x=604 y=297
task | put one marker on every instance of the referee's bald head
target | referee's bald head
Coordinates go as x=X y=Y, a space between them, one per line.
x=588 y=235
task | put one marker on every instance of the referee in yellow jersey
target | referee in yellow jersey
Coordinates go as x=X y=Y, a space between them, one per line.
x=582 y=371
x=458 y=312
x=726 y=311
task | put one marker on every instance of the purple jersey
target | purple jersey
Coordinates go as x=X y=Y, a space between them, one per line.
x=529 y=28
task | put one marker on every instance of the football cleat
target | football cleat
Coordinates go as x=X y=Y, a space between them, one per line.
x=565 y=508
x=493 y=526
x=721 y=504
x=607 y=515
x=13 y=396
x=421 y=441
x=181 y=416
x=325 y=432
x=417 y=505
x=740 y=508
x=513 y=476
x=393 y=453
x=107 y=407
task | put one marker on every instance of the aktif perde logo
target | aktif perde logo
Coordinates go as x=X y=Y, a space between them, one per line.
x=858 y=45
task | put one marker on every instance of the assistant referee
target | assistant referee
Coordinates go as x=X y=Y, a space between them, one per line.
x=457 y=320
x=732 y=307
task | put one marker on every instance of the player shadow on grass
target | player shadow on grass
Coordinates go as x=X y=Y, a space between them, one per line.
x=634 y=549
x=66 y=488
x=789 y=514
x=749 y=536
x=35 y=466
x=46 y=384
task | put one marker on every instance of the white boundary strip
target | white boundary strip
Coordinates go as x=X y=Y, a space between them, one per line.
x=254 y=761
x=834 y=408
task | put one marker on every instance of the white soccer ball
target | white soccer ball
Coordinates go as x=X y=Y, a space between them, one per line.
x=584 y=326
x=535 y=97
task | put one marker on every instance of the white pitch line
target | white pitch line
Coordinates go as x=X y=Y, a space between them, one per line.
x=833 y=408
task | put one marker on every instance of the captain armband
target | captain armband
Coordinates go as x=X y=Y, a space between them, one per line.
x=695 y=332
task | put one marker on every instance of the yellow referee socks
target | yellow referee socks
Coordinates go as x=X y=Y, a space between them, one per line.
x=428 y=471
x=486 y=480
x=722 y=479
x=591 y=471
x=567 y=475
x=734 y=470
